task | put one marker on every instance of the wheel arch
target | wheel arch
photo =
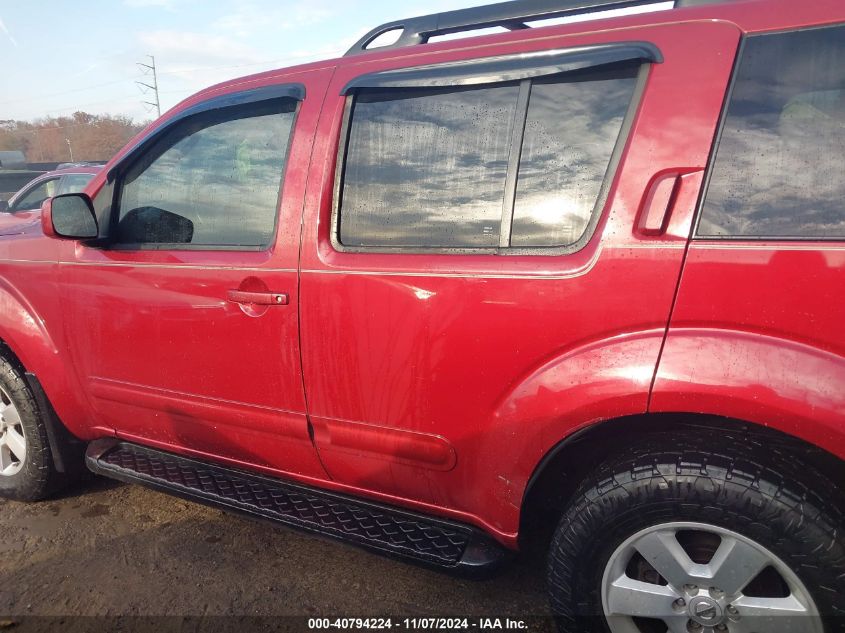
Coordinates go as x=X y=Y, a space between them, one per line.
x=34 y=341
x=559 y=474
x=66 y=449
x=764 y=378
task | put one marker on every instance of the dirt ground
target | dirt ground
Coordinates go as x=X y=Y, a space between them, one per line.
x=115 y=550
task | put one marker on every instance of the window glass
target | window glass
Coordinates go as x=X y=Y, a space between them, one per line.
x=33 y=198
x=74 y=183
x=779 y=166
x=213 y=181
x=572 y=127
x=426 y=167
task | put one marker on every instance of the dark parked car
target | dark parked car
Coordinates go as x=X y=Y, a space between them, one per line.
x=52 y=183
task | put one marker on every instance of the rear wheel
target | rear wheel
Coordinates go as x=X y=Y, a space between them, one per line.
x=678 y=537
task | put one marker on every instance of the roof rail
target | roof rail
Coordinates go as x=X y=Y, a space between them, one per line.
x=510 y=15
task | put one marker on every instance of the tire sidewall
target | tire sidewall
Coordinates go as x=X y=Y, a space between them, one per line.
x=32 y=481
x=609 y=513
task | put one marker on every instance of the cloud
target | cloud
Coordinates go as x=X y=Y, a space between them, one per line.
x=198 y=49
x=248 y=18
x=143 y=4
x=7 y=33
x=188 y=61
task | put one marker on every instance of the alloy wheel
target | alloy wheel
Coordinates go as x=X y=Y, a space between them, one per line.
x=12 y=437
x=700 y=578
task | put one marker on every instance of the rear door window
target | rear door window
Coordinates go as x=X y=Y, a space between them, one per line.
x=36 y=195
x=74 y=183
x=427 y=167
x=500 y=166
x=572 y=126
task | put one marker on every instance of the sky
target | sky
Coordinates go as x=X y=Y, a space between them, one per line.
x=60 y=56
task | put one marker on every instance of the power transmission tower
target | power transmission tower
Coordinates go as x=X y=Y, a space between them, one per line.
x=151 y=68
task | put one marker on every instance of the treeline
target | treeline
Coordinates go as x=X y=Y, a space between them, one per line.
x=54 y=139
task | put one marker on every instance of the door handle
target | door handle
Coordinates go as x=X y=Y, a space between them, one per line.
x=258 y=298
x=657 y=203
x=662 y=195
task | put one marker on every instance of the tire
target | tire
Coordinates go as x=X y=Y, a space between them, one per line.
x=34 y=477
x=681 y=491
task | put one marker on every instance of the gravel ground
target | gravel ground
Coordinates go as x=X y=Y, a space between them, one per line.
x=115 y=550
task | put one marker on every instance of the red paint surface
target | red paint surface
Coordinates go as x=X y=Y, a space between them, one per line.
x=439 y=382
x=757 y=335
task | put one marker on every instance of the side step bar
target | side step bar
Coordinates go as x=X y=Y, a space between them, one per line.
x=388 y=530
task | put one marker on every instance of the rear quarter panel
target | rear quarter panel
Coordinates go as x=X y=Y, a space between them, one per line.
x=758 y=334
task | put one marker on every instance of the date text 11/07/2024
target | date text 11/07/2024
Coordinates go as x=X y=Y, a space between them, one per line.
x=429 y=624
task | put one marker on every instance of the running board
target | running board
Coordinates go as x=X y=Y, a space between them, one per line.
x=388 y=530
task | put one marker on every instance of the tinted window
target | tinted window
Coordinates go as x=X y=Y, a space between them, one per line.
x=780 y=163
x=33 y=198
x=428 y=167
x=213 y=181
x=74 y=183
x=572 y=127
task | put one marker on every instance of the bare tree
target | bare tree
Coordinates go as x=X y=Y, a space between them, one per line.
x=94 y=137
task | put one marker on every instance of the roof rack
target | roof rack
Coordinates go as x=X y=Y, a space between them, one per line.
x=510 y=15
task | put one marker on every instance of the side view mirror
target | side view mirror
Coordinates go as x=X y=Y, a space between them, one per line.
x=70 y=216
x=4 y=205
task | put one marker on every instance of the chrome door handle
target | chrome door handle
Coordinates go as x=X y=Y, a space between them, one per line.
x=258 y=298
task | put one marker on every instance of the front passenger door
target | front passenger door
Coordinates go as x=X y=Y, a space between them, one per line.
x=184 y=324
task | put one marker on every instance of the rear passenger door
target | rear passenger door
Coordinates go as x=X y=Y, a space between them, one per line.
x=491 y=252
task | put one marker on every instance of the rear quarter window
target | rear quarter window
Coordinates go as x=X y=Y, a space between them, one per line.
x=779 y=170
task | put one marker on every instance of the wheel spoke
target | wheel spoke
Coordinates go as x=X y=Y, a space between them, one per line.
x=11 y=415
x=677 y=624
x=770 y=607
x=16 y=443
x=694 y=588
x=626 y=596
x=773 y=615
x=735 y=564
x=663 y=552
x=12 y=438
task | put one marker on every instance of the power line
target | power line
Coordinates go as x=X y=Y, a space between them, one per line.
x=152 y=68
x=63 y=92
x=282 y=61
x=328 y=54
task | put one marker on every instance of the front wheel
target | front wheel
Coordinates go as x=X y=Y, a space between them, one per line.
x=676 y=537
x=27 y=472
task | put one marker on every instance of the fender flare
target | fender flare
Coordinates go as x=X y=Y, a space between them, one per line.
x=790 y=386
x=555 y=401
x=68 y=452
x=25 y=332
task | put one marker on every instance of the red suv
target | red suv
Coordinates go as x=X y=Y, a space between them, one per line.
x=581 y=282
